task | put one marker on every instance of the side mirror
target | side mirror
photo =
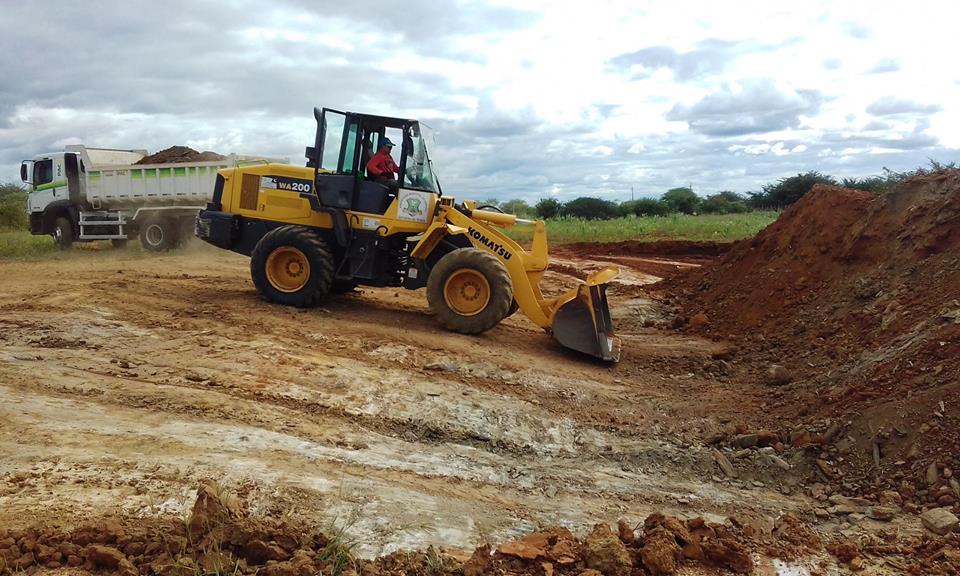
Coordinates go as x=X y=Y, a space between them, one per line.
x=25 y=175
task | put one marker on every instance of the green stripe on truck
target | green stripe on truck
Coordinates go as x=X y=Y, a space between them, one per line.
x=49 y=185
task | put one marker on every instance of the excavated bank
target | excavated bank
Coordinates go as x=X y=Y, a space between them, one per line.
x=850 y=306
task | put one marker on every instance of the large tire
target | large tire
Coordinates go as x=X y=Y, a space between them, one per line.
x=469 y=291
x=292 y=265
x=159 y=234
x=63 y=233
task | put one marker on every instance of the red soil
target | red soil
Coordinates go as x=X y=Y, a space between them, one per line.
x=858 y=296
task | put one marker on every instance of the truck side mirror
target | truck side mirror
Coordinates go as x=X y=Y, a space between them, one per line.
x=25 y=175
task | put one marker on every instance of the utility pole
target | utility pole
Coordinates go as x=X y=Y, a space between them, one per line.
x=631 y=193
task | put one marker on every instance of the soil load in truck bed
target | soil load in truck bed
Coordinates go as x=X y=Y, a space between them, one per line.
x=175 y=154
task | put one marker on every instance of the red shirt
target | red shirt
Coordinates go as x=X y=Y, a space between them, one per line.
x=382 y=165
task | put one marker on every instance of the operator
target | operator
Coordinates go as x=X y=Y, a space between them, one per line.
x=381 y=168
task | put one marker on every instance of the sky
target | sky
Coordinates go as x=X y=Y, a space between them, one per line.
x=528 y=98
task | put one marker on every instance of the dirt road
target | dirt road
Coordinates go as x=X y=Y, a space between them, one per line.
x=126 y=379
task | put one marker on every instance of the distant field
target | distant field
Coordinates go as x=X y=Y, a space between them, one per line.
x=706 y=227
x=709 y=227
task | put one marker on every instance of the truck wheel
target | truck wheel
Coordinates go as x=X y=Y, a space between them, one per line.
x=292 y=265
x=158 y=234
x=63 y=233
x=469 y=291
x=342 y=286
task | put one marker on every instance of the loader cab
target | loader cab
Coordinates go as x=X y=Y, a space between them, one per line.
x=344 y=144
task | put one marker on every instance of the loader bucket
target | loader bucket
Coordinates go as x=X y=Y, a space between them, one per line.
x=583 y=321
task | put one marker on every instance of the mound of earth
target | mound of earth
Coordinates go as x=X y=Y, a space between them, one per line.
x=850 y=304
x=176 y=154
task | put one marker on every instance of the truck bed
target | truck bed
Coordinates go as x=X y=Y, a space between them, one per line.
x=189 y=183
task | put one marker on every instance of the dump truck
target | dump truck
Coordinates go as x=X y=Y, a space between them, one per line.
x=332 y=225
x=83 y=194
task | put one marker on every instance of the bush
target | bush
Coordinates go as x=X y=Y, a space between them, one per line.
x=871 y=184
x=518 y=207
x=644 y=207
x=488 y=203
x=590 y=209
x=681 y=200
x=548 y=208
x=13 y=207
x=788 y=190
x=725 y=202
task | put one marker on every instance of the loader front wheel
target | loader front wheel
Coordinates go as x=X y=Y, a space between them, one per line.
x=292 y=265
x=469 y=291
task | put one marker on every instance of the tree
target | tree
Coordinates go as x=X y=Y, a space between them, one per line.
x=681 y=200
x=788 y=190
x=644 y=207
x=725 y=202
x=548 y=208
x=590 y=209
x=518 y=207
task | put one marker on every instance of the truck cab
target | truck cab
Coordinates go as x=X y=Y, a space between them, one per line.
x=54 y=186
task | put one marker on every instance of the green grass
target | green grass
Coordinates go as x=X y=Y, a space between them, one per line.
x=701 y=228
x=22 y=244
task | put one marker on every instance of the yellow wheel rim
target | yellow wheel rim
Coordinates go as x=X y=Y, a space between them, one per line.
x=288 y=269
x=467 y=292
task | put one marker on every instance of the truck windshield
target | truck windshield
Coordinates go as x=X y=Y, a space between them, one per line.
x=42 y=172
x=418 y=171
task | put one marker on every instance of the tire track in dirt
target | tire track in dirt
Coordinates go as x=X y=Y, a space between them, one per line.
x=148 y=368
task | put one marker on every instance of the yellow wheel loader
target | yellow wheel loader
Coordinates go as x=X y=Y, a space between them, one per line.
x=331 y=226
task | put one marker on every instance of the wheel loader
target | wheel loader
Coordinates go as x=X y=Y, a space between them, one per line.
x=330 y=226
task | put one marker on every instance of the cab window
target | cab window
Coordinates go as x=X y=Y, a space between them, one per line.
x=332 y=139
x=42 y=172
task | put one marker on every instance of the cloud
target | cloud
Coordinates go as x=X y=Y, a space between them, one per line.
x=711 y=56
x=758 y=108
x=890 y=105
x=875 y=126
x=884 y=66
x=857 y=30
x=525 y=103
x=832 y=64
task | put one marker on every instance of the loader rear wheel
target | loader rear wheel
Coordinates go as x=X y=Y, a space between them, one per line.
x=292 y=265
x=469 y=291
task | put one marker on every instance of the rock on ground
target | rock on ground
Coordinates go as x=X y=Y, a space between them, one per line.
x=940 y=521
x=603 y=551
